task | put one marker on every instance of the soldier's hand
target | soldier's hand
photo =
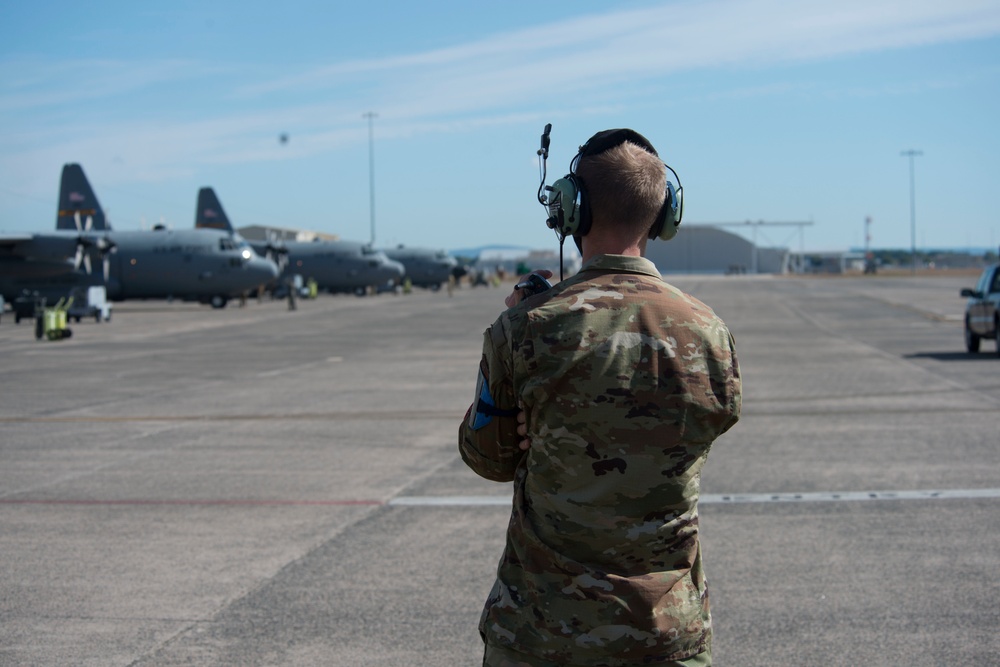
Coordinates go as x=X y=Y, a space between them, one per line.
x=516 y=296
x=522 y=430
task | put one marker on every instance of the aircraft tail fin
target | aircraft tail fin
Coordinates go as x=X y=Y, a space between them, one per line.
x=79 y=209
x=210 y=214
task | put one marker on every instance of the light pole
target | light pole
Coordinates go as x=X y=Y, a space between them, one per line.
x=913 y=208
x=370 y=115
x=869 y=258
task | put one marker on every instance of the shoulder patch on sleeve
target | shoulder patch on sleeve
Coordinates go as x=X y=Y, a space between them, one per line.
x=485 y=409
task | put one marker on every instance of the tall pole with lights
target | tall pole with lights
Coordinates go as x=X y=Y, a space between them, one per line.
x=869 y=258
x=913 y=207
x=371 y=115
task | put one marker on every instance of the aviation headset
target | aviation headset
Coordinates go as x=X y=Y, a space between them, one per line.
x=569 y=205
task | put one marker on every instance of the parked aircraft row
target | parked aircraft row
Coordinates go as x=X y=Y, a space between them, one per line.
x=339 y=266
x=336 y=266
x=210 y=263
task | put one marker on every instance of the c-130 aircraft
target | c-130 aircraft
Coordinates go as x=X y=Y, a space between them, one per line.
x=204 y=265
x=336 y=266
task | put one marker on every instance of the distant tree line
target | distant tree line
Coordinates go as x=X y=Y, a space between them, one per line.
x=950 y=258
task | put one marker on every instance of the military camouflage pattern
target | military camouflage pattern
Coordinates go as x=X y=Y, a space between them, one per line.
x=625 y=382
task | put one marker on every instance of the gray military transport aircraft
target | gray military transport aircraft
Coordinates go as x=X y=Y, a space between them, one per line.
x=208 y=266
x=424 y=267
x=336 y=266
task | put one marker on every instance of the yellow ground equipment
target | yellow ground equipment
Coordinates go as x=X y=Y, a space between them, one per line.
x=54 y=321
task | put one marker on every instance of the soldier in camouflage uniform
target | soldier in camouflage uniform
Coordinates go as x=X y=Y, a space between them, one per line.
x=600 y=398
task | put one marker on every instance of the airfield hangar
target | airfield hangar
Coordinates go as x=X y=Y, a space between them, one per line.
x=265 y=232
x=706 y=249
x=696 y=249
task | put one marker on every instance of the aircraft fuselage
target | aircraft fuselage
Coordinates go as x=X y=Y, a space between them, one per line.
x=202 y=265
x=340 y=265
x=424 y=267
x=191 y=264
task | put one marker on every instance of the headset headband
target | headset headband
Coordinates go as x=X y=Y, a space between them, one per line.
x=608 y=139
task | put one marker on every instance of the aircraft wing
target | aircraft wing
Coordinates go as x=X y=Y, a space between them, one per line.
x=27 y=257
x=9 y=243
x=45 y=246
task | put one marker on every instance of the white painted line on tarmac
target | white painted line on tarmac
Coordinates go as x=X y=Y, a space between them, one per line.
x=501 y=501
x=848 y=495
x=729 y=498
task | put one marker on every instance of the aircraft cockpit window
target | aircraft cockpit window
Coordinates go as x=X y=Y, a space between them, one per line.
x=368 y=250
x=226 y=244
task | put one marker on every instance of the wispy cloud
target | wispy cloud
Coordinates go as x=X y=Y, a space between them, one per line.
x=629 y=46
x=32 y=84
x=489 y=80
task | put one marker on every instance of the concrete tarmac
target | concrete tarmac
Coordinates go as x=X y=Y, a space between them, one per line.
x=255 y=486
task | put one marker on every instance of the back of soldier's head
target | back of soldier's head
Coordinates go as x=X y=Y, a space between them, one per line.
x=625 y=186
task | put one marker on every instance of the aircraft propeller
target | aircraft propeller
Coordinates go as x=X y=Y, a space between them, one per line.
x=105 y=247
x=276 y=250
x=82 y=242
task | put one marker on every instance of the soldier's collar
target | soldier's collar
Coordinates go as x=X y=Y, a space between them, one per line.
x=621 y=264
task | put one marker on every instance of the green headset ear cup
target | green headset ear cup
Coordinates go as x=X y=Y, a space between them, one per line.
x=669 y=231
x=564 y=209
x=669 y=218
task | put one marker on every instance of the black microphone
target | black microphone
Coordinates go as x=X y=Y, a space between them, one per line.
x=543 y=156
x=544 y=150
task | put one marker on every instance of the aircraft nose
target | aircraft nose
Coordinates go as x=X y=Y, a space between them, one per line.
x=394 y=269
x=263 y=269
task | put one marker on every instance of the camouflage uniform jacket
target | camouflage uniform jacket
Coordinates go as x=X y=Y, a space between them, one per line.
x=625 y=382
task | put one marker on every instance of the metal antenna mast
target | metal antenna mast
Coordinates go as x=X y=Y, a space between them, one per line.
x=913 y=207
x=371 y=115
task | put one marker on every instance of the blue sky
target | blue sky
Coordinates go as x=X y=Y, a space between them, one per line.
x=773 y=110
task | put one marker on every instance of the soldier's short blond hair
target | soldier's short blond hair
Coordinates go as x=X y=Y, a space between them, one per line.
x=626 y=186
